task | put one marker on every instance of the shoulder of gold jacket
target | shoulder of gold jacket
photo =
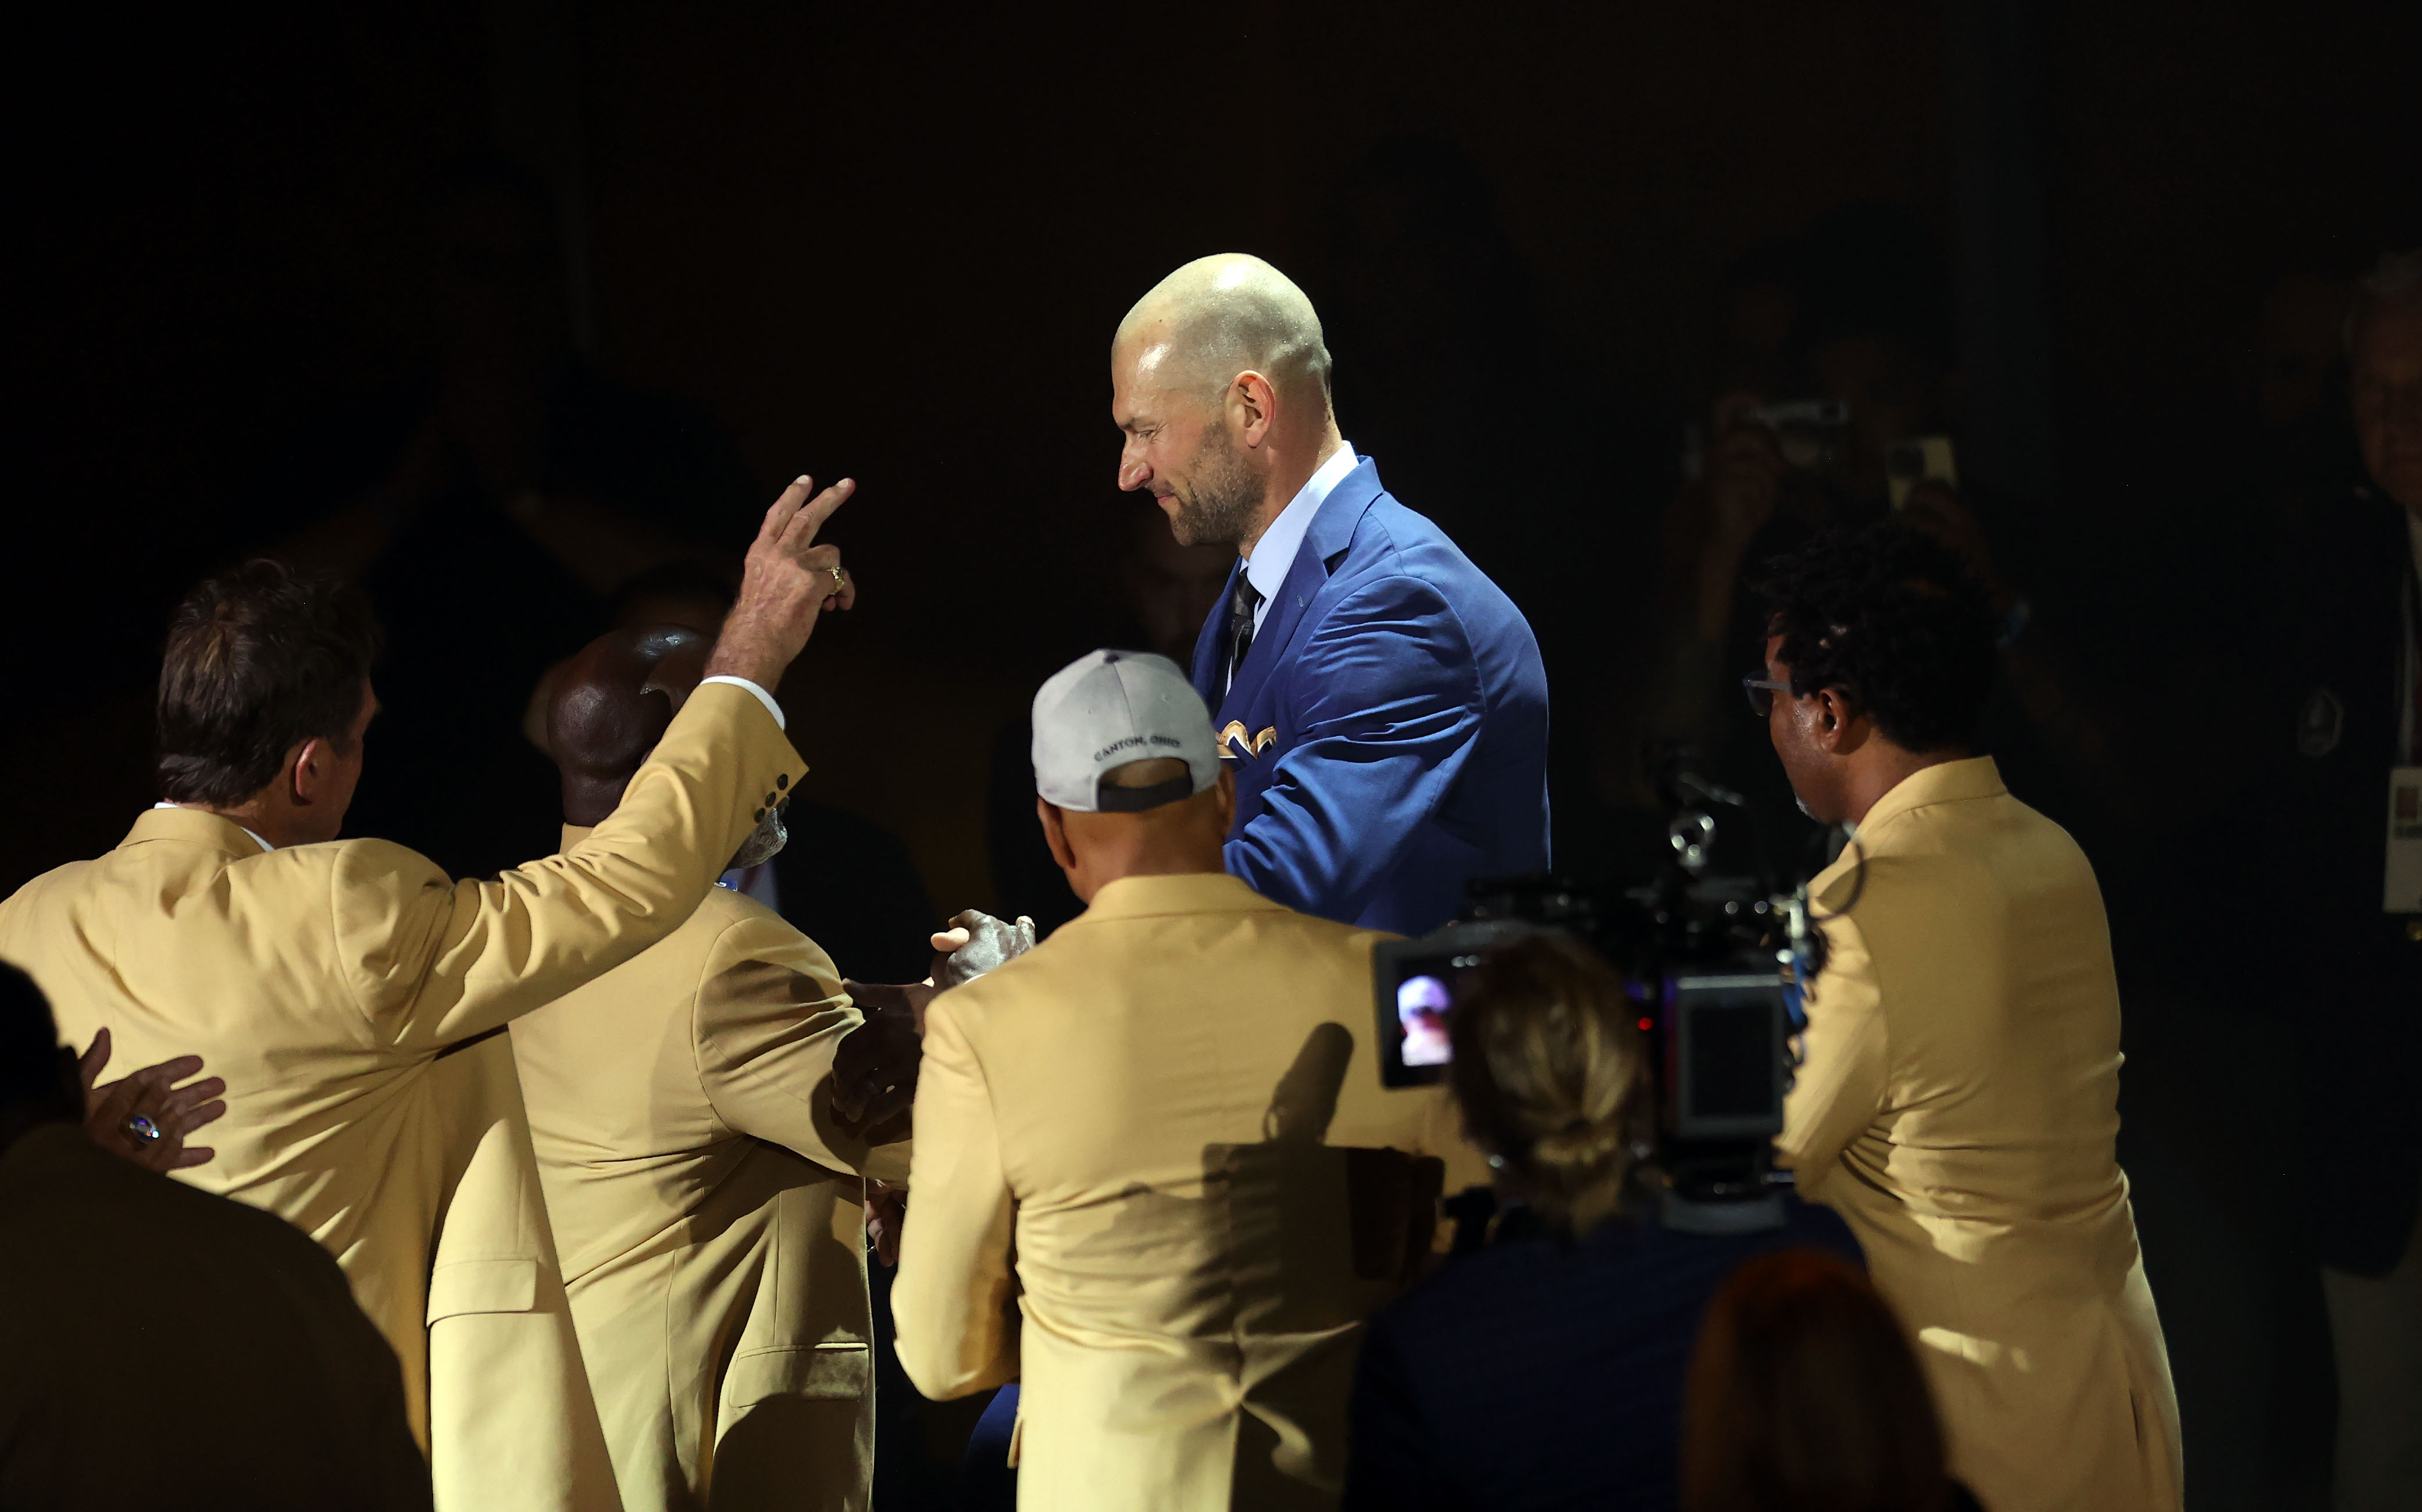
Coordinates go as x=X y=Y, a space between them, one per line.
x=739 y=928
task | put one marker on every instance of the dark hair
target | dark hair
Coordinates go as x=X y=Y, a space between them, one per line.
x=1894 y=619
x=258 y=660
x=1551 y=1073
x=29 y=1041
x=1803 y=1395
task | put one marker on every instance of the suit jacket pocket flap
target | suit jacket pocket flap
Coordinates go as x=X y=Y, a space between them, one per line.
x=483 y=1286
x=818 y=1370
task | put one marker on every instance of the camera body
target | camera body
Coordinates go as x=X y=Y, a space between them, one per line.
x=1706 y=964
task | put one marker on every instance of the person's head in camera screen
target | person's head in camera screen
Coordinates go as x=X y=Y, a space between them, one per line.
x=1422 y=1003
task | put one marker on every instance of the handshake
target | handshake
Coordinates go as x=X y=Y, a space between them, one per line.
x=874 y=1069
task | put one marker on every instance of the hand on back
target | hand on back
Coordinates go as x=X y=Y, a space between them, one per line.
x=145 y=1115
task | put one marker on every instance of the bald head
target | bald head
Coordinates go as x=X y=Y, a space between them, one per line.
x=1219 y=378
x=1226 y=314
x=612 y=704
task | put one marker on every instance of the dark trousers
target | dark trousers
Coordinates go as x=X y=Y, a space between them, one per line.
x=987 y=1481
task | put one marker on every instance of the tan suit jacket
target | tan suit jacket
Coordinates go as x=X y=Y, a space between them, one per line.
x=1170 y=1114
x=325 y=983
x=1958 y=1106
x=157 y=1342
x=708 y=1212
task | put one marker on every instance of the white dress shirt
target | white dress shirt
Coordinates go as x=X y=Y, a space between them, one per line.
x=762 y=697
x=246 y=829
x=1273 y=555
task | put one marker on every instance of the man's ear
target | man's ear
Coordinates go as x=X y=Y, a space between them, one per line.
x=1252 y=407
x=1839 y=727
x=1226 y=803
x=307 y=771
x=1055 y=833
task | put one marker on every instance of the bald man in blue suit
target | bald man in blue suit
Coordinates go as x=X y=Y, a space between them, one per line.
x=1381 y=701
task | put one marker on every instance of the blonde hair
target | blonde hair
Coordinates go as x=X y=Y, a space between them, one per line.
x=1551 y=1070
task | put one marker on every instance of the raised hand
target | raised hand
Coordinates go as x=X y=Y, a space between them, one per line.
x=788 y=583
x=1744 y=479
x=145 y=1116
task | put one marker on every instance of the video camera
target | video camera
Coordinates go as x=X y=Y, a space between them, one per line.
x=1708 y=962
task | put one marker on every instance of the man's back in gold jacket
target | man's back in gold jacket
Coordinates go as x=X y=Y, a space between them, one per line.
x=1171 y=1112
x=1957 y=1105
x=708 y=1212
x=337 y=988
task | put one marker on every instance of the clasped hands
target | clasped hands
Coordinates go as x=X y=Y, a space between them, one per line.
x=874 y=1069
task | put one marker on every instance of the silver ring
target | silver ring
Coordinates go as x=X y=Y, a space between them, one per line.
x=144 y=1130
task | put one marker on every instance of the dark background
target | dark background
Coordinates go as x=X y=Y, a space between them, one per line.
x=893 y=241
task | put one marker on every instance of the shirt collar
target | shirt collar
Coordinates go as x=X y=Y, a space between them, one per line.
x=265 y=846
x=1181 y=893
x=1972 y=777
x=1274 y=553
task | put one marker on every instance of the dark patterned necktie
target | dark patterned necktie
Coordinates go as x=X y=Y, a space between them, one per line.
x=1240 y=624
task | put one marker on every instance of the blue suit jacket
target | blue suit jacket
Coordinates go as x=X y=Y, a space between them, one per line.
x=1388 y=729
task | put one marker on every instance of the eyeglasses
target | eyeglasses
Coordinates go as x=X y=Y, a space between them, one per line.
x=1761 y=695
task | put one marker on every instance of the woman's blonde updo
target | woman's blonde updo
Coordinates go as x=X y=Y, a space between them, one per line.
x=1551 y=1070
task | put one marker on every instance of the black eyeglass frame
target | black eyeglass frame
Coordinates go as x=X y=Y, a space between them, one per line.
x=1761 y=692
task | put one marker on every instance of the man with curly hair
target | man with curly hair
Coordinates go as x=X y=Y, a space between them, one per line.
x=1958 y=1098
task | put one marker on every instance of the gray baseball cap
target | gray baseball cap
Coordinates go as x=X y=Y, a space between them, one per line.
x=1111 y=707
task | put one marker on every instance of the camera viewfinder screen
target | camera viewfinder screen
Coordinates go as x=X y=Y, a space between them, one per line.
x=1417 y=984
x=1422 y=1003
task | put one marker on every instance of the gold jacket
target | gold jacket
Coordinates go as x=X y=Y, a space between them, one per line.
x=326 y=984
x=708 y=1212
x=1958 y=1106
x=1161 y=1136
